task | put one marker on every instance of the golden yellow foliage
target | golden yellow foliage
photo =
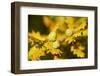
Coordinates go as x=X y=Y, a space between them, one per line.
x=79 y=51
x=51 y=49
x=36 y=35
x=35 y=53
x=63 y=32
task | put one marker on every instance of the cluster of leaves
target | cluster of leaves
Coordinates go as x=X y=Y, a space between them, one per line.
x=67 y=32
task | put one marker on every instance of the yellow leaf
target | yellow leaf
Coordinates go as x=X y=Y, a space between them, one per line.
x=55 y=51
x=36 y=35
x=48 y=45
x=78 y=51
x=35 y=53
x=69 y=39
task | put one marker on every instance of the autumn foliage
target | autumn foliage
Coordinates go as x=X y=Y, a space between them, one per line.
x=67 y=39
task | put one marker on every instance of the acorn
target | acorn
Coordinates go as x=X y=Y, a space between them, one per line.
x=52 y=36
x=56 y=44
x=68 y=32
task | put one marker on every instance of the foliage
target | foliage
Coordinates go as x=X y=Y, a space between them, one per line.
x=66 y=35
